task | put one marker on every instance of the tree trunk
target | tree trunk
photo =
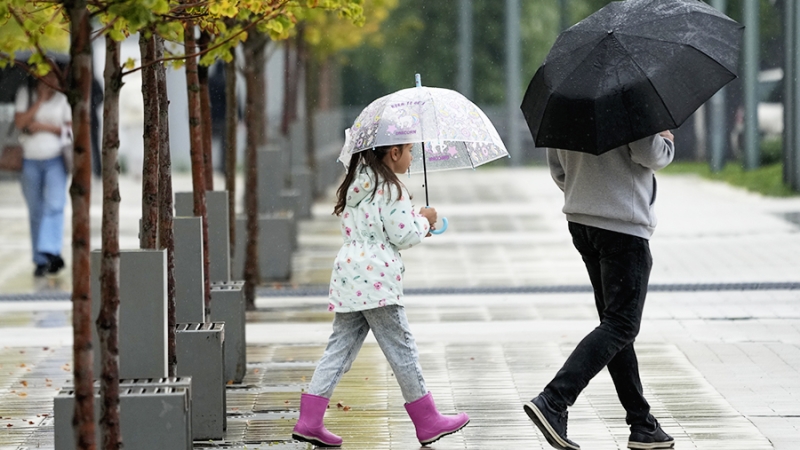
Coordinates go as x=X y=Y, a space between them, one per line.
x=108 y=319
x=165 y=233
x=147 y=46
x=325 y=84
x=291 y=60
x=205 y=112
x=231 y=144
x=79 y=94
x=312 y=91
x=255 y=119
x=196 y=151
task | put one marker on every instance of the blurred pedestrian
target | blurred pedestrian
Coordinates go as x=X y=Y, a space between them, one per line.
x=609 y=203
x=216 y=94
x=96 y=104
x=366 y=293
x=45 y=119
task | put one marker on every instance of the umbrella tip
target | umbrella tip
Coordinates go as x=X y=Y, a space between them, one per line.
x=418 y=80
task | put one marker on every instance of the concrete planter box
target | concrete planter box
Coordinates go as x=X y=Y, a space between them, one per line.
x=228 y=306
x=142 y=313
x=189 y=284
x=218 y=229
x=199 y=348
x=153 y=415
x=277 y=236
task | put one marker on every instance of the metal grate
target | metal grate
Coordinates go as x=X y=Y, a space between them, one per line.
x=322 y=291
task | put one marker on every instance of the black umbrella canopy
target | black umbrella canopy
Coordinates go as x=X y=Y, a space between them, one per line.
x=630 y=70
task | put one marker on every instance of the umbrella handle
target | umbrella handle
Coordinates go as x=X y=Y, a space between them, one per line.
x=443 y=229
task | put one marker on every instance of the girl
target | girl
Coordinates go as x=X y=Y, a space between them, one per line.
x=366 y=293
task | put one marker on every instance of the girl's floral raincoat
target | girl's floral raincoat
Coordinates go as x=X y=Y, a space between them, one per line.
x=368 y=271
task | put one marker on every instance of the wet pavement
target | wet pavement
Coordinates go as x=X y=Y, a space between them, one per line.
x=496 y=305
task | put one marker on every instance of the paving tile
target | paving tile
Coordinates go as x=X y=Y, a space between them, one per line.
x=719 y=367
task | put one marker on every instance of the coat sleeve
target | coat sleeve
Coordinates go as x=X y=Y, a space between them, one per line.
x=654 y=152
x=556 y=169
x=403 y=226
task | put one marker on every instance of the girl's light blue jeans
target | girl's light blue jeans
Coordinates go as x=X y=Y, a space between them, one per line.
x=44 y=186
x=390 y=327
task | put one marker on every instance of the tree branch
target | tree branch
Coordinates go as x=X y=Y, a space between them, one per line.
x=207 y=50
x=53 y=66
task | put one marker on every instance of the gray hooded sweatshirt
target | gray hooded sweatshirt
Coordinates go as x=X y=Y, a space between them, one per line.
x=616 y=190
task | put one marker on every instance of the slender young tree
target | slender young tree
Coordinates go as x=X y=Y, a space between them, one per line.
x=292 y=69
x=108 y=319
x=150 y=169
x=79 y=94
x=196 y=150
x=205 y=110
x=165 y=215
x=231 y=144
x=255 y=120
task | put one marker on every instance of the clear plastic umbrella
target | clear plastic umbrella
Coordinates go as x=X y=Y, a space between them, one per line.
x=450 y=130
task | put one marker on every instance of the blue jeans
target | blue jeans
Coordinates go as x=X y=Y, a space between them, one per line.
x=619 y=270
x=44 y=186
x=390 y=327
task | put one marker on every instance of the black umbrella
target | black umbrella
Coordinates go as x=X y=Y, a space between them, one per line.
x=628 y=71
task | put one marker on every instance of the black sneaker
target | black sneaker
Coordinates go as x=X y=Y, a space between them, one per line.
x=55 y=263
x=650 y=440
x=552 y=423
x=41 y=270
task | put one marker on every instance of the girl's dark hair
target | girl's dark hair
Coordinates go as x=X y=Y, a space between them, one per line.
x=373 y=159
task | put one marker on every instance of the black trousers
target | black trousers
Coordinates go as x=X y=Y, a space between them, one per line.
x=619 y=269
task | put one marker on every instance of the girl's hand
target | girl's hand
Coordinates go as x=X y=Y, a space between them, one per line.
x=430 y=214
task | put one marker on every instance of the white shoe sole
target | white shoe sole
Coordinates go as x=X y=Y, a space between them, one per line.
x=652 y=446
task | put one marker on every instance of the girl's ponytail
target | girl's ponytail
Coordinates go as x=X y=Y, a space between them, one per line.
x=350 y=175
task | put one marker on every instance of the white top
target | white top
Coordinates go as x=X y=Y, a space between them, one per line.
x=54 y=111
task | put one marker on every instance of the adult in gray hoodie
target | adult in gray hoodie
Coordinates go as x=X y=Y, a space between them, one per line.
x=609 y=207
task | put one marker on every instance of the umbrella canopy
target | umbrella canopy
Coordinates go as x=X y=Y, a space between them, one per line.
x=449 y=131
x=456 y=134
x=630 y=70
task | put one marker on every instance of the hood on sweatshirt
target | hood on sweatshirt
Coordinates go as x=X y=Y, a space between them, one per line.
x=361 y=187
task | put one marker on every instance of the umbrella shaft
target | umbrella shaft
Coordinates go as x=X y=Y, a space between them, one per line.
x=425 y=175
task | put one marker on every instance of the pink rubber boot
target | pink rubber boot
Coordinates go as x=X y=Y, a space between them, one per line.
x=309 y=427
x=432 y=426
